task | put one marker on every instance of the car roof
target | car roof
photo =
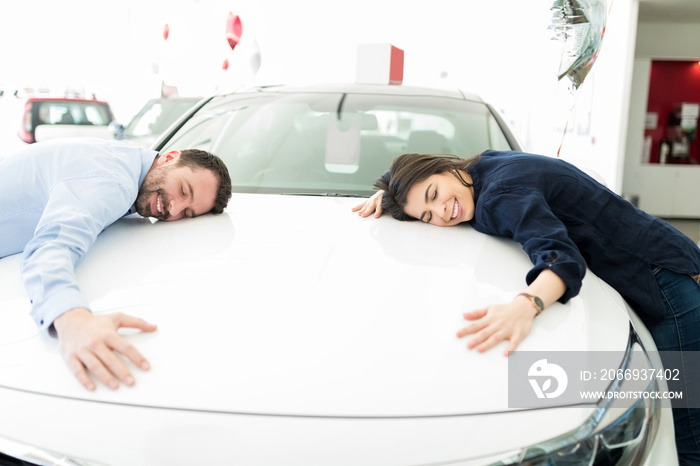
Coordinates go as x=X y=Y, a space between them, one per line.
x=65 y=99
x=177 y=98
x=379 y=89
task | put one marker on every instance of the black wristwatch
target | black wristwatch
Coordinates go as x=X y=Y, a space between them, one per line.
x=536 y=302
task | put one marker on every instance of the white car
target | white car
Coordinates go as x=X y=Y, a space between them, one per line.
x=154 y=118
x=291 y=331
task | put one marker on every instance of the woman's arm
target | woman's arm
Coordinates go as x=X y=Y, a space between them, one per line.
x=525 y=216
x=513 y=321
x=373 y=204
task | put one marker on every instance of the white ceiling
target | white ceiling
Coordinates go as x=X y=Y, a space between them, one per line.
x=669 y=11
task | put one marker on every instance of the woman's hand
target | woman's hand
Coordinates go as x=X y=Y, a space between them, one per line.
x=373 y=204
x=511 y=321
x=493 y=324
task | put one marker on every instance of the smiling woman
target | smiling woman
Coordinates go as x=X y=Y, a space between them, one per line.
x=566 y=222
x=436 y=190
x=443 y=200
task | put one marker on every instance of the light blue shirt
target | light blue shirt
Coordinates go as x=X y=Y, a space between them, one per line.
x=55 y=198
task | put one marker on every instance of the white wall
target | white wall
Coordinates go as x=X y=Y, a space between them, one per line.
x=677 y=41
x=663 y=190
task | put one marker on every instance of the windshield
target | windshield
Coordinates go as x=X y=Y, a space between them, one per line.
x=156 y=117
x=66 y=112
x=332 y=143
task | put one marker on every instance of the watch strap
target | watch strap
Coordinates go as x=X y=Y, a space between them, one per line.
x=536 y=301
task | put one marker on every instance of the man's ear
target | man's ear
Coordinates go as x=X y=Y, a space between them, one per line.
x=169 y=158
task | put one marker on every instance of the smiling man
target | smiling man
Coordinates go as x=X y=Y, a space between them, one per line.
x=57 y=196
x=174 y=190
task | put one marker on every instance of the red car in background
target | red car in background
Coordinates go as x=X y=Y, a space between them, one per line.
x=52 y=117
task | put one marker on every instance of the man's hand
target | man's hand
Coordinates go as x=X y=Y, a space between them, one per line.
x=88 y=344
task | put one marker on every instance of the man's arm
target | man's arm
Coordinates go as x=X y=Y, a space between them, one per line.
x=76 y=212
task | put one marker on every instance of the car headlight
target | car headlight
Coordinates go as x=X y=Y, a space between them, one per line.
x=618 y=432
x=17 y=453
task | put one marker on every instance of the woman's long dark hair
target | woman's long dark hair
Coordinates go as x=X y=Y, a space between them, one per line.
x=407 y=170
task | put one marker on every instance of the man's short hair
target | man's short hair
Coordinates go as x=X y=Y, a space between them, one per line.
x=201 y=159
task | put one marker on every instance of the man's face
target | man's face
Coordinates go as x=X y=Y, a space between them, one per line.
x=170 y=192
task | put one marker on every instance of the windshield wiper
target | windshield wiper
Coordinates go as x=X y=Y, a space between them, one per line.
x=324 y=194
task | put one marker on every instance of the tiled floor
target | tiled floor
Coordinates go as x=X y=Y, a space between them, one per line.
x=690 y=228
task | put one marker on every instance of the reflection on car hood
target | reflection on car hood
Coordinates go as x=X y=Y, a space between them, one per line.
x=294 y=305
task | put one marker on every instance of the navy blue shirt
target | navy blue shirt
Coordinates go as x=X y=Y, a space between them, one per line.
x=565 y=220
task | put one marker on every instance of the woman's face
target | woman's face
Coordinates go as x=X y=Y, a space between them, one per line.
x=441 y=200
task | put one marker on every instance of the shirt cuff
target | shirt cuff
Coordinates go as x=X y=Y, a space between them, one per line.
x=569 y=273
x=45 y=312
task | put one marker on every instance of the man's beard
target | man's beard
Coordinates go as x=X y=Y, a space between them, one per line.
x=153 y=183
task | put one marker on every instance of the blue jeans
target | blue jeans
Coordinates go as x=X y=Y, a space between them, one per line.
x=680 y=331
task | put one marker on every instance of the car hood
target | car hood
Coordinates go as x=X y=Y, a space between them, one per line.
x=294 y=305
x=48 y=132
